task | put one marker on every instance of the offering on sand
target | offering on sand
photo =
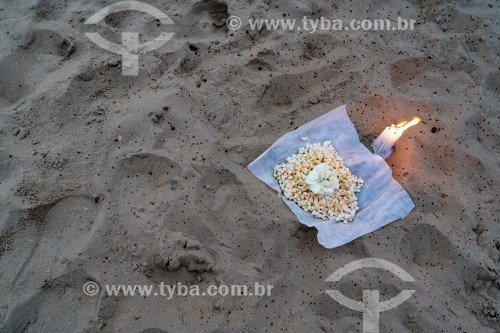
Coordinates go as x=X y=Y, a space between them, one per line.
x=317 y=180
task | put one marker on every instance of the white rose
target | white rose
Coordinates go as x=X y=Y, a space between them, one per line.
x=323 y=179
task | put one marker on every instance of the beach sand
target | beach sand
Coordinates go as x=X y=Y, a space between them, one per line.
x=132 y=180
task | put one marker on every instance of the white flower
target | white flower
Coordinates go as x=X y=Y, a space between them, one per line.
x=323 y=179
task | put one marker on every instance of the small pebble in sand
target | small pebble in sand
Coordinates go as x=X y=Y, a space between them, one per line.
x=22 y=133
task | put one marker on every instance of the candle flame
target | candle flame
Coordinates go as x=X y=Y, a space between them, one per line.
x=405 y=124
x=385 y=142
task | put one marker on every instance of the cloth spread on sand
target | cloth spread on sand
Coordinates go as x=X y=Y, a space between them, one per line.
x=381 y=200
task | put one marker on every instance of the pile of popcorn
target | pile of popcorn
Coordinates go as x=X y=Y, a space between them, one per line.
x=317 y=180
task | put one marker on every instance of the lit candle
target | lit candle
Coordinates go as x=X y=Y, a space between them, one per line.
x=383 y=145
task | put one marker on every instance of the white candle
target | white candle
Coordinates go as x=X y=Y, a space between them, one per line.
x=383 y=145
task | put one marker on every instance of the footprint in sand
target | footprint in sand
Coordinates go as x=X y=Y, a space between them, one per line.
x=146 y=178
x=425 y=245
x=492 y=83
x=27 y=66
x=286 y=89
x=57 y=306
x=53 y=233
x=153 y=330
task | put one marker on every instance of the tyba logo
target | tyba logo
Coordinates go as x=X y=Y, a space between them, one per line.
x=130 y=47
x=371 y=306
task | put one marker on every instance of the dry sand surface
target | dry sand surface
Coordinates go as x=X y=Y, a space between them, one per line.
x=142 y=179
